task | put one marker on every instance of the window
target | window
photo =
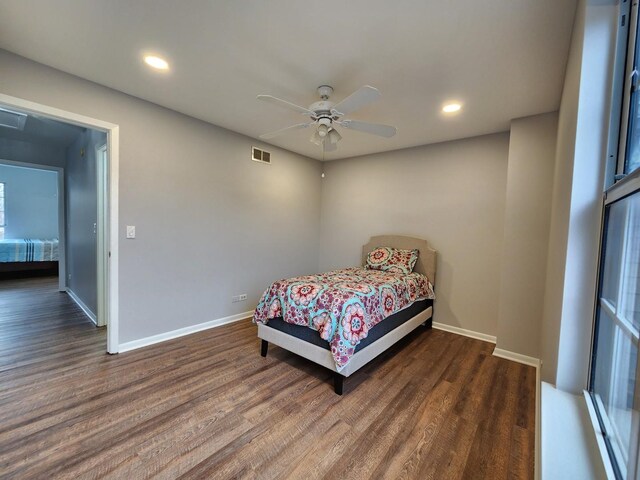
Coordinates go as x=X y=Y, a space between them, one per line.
x=2 y=217
x=614 y=384
x=632 y=145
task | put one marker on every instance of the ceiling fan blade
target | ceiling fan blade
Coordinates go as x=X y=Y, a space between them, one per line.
x=298 y=126
x=374 y=128
x=328 y=146
x=285 y=104
x=356 y=100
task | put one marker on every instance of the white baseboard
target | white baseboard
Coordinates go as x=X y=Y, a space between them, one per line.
x=462 y=331
x=181 y=332
x=82 y=306
x=516 y=357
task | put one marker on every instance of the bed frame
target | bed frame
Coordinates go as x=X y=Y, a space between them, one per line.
x=426 y=265
x=27 y=269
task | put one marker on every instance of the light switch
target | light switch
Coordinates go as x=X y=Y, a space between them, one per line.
x=131 y=231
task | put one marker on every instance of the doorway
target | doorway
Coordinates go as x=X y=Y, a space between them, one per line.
x=106 y=223
x=38 y=211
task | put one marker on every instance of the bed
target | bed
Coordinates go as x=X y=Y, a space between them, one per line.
x=27 y=254
x=320 y=319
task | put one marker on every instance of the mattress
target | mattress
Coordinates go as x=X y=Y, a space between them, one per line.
x=380 y=330
x=28 y=250
x=342 y=305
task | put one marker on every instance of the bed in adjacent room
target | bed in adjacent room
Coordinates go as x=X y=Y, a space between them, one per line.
x=23 y=254
x=345 y=318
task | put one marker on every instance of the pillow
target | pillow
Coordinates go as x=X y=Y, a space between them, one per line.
x=392 y=260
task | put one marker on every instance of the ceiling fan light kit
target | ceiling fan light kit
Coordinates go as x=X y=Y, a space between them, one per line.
x=334 y=136
x=325 y=116
x=316 y=138
x=323 y=129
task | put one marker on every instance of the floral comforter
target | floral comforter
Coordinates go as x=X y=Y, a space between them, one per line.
x=342 y=305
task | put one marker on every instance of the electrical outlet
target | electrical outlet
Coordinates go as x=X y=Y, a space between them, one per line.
x=239 y=298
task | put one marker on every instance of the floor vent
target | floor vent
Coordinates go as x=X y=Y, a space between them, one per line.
x=260 y=155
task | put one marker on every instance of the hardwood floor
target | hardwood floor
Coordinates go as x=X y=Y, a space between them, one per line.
x=438 y=406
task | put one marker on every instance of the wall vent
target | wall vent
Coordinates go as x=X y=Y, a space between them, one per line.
x=260 y=155
x=11 y=119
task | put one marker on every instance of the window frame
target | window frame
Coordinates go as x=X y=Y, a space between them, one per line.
x=629 y=87
x=618 y=186
x=622 y=327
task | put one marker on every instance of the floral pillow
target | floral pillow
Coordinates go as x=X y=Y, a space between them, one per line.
x=392 y=260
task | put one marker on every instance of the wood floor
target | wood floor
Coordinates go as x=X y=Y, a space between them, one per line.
x=439 y=406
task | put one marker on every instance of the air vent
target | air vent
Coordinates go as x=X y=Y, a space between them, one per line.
x=11 y=119
x=260 y=155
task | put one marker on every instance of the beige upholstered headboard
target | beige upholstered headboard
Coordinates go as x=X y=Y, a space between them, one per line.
x=426 y=263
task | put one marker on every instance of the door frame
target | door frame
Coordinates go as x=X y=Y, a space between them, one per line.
x=108 y=256
x=102 y=163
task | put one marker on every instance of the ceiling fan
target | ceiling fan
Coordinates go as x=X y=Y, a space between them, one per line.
x=325 y=116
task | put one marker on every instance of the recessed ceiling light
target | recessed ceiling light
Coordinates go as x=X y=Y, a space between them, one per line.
x=156 y=62
x=451 y=107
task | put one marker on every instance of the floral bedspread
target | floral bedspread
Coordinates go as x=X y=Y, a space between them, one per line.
x=342 y=305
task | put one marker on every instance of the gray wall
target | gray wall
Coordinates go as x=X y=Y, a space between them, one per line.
x=565 y=147
x=210 y=222
x=30 y=152
x=577 y=198
x=532 y=145
x=31 y=202
x=81 y=215
x=452 y=194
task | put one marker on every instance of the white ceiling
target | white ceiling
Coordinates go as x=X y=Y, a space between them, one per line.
x=502 y=59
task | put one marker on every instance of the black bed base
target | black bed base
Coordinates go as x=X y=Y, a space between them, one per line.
x=12 y=270
x=338 y=379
